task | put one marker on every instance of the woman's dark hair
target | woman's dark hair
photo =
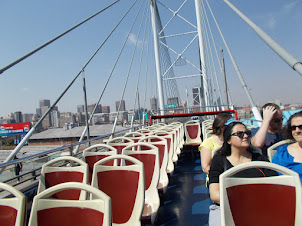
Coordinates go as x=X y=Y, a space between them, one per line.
x=225 y=150
x=288 y=131
x=219 y=122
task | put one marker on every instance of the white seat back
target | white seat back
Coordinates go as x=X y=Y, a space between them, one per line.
x=148 y=154
x=271 y=151
x=260 y=201
x=193 y=132
x=161 y=144
x=12 y=210
x=48 y=211
x=52 y=174
x=124 y=184
x=95 y=153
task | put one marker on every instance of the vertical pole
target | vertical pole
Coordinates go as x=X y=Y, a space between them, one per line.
x=224 y=79
x=153 y=9
x=199 y=94
x=201 y=52
x=188 y=110
x=132 y=118
x=86 y=110
x=139 y=109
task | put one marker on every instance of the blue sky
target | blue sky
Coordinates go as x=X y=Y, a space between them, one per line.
x=27 y=24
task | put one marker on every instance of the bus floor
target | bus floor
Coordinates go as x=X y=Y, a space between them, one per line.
x=187 y=199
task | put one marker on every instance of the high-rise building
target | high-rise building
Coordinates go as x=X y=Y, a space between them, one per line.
x=80 y=109
x=105 y=109
x=27 y=117
x=173 y=101
x=44 y=103
x=196 y=95
x=97 y=110
x=66 y=118
x=123 y=105
x=55 y=116
x=38 y=112
x=80 y=119
x=46 y=123
x=18 y=116
x=154 y=105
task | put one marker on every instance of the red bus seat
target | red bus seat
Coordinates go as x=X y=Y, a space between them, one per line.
x=47 y=211
x=260 y=201
x=161 y=144
x=124 y=184
x=12 y=209
x=193 y=132
x=102 y=151
x=148 y=154
x=52 y=175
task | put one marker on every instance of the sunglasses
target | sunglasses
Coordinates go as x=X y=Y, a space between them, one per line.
x=278 y=120
x=240 y=134
x=295 y=127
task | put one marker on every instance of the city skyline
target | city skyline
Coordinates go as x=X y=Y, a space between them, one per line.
x=44 y=104
x=264 y=72
x=194 y=96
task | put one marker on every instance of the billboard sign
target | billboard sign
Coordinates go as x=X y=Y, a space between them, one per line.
x=14 y=128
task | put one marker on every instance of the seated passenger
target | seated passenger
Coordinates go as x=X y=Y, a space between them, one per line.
x=236 y=150
x=269 y=132
x=290 y=155
x=213 y=142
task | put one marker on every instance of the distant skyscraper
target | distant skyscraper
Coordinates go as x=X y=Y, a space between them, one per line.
x=97 y=110
x=173 y=101
x=80 y=108
x=105 y=109
x=27 y=117
x=44 y=103
x=38 y=112
x=18 y=116
x=196 y=95
x=46 y=123
x=80 y=119
x=154 y=105
x=55 y=115
x=123 y=105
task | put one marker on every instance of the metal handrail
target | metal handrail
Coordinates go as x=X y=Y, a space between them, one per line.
x=62 y=148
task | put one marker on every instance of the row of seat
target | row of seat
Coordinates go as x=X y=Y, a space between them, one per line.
x=207 y=130
x=156 y=147
x=151 y=152
x=274 y=200
x=49 y=211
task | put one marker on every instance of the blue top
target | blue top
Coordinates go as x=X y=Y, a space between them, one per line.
x=271 y=138
x=283 y=158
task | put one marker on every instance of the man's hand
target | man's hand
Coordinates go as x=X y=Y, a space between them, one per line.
x=268 y=113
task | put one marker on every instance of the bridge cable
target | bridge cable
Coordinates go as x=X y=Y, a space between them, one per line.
x=244 y=86
x=54 y=39
x=32 y=130
x=126 y=82
x=109 y=77
x=139 y=74
x=213 y=65
x=171 y=89
x=146 y=72
x=213 y=41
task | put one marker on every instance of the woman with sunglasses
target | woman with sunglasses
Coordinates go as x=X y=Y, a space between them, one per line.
x=213 y=142
x=236 y=150
x=290 y=155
